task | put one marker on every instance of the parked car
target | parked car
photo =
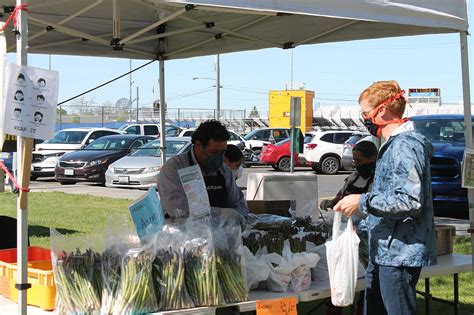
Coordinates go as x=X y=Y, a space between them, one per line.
x=150 y=129
x=324 y=151
x=234 y=138
x=255 y=139
x=140 y=168
x=346 y=160
x=46 y=155
x=7 y=159
x=90 y=163
x=446 y=132
x=279 y=156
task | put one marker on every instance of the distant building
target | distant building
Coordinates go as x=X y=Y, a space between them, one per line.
x=424 y=97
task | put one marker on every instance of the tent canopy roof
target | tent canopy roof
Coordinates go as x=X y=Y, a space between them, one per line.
x=172 y=29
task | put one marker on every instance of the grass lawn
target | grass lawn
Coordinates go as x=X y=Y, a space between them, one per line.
x=84 y=213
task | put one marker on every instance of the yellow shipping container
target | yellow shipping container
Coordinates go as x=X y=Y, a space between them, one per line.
x=279 y=108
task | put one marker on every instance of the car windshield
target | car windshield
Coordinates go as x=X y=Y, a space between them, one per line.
x=442 y=130
x=153 y=148
x=250 y=134
x=109 y=144
x=171 y=131
x=355 y=138
x=68 y=137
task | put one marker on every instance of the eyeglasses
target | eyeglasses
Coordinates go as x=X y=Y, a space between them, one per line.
x=365 y=114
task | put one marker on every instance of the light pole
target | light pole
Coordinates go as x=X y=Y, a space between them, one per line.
x=218 y=86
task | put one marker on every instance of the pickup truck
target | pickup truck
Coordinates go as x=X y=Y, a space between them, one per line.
x=446 y=132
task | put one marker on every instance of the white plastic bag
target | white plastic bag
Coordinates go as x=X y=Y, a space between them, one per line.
x=342 y=254
x=256 y=268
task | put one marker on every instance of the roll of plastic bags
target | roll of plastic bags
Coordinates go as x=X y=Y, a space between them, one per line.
x=342 y=254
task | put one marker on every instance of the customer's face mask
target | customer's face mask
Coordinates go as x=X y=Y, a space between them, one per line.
x=238 y=172
x=366 y=170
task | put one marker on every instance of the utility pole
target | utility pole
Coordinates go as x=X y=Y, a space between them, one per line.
x=218 y=86
x=137 y=104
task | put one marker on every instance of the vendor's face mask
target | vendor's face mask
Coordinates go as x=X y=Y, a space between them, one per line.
x=213 y=162
x=238 y=172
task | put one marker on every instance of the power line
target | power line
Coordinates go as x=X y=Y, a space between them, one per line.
x=108 y=82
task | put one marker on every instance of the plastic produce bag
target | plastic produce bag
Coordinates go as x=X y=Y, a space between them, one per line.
x=76 y=264
x=136 y=293
x=230 y=262
x=290 y=272
x=256 y=268
x=169 y=270
x=342 y=254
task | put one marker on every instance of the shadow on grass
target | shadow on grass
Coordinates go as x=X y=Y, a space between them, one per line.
x=42 y=231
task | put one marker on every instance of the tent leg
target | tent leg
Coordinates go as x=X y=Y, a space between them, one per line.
x=162 y=112
x=467 y=120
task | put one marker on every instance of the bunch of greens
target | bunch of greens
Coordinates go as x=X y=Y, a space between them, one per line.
x=169 y=276
x=136 y=293
x=274 y=242
x=78 y=281
x=231 y=278
x=201 y=272
x=111 y=269
x=253 y=242
x=297 y=244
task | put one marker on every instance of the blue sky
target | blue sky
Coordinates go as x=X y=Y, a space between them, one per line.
x=337 y=72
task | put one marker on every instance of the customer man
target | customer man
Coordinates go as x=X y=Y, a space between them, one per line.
x=399 y=207
x=209 y=145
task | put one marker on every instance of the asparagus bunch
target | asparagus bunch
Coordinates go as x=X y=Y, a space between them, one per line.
x=168 y=272
x=136 y=292
x=253 y=242
x=297 y=244
x=231 y=277
x=274 y=243
x=316 y=238
x=111 y=269
x=201 y=273
x=78 y=281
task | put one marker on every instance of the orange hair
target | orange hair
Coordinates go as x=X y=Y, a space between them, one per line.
x=382 y=91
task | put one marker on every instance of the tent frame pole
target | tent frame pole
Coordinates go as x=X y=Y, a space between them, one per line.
x=467 y=121
x=162 y=112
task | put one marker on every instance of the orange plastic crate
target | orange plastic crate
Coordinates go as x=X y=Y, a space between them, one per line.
x=40 y=275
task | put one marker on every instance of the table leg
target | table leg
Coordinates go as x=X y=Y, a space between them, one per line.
x=427 y=296
x=456 y=293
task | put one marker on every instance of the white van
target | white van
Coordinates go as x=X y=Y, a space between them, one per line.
x=150 y=129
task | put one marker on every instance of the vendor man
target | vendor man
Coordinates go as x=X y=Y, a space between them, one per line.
x=209 y=145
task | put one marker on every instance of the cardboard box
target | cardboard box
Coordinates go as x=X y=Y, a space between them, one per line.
x=445 y=239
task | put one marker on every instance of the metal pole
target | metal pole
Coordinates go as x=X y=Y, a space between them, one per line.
x=24 y=147
x=60 y=117
x=292 y=149
x=218 y=86
x=467 y=121
x=162 y=111
x=102 y=115
x=179 y=116
x=137 y=104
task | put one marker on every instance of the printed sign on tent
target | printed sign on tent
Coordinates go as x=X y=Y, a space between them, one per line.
x=30 y=100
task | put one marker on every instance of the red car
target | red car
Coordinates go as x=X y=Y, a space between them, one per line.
x=278 y=156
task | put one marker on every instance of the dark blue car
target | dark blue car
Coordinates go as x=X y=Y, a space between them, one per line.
x=7 y=158
x=446 y=132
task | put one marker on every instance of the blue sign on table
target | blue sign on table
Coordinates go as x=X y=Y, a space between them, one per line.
x=147 y=214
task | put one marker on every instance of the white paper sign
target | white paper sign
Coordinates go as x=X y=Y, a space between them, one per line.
x=195 y=189
x=30 y=100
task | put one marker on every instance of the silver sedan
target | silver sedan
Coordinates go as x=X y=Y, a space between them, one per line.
x=140 y=169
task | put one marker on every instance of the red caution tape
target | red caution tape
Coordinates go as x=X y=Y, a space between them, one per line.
x=2 y=166
x=14 y=15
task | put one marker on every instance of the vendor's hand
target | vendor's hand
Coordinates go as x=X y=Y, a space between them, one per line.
x=325 y=204
x=348 y=205
x=227 y=215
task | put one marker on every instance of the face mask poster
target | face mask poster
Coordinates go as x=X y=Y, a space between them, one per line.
x=30 y=100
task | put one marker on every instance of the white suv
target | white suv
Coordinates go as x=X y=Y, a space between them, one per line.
x=47 y=153
x=324 y=152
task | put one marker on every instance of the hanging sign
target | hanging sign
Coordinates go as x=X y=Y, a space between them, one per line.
x=29 y=103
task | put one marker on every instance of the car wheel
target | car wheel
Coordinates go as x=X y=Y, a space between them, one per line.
x=33 y=177
x=330 y=165
x=284 y=164
x=67 y=183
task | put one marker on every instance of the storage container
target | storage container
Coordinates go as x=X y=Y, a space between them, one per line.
x=40 y=276
x=445 y=239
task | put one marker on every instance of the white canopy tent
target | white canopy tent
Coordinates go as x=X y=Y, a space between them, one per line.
x=173 y=29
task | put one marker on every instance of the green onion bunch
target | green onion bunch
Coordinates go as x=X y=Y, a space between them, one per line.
x=169 y=280
x=78 y=281
x=136 y=293
x=201 y=272
x=232 y=278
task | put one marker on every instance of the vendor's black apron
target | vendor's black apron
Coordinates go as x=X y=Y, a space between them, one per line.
x=215 y=185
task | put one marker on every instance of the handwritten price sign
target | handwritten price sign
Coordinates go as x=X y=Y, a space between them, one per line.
x=283 y=306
